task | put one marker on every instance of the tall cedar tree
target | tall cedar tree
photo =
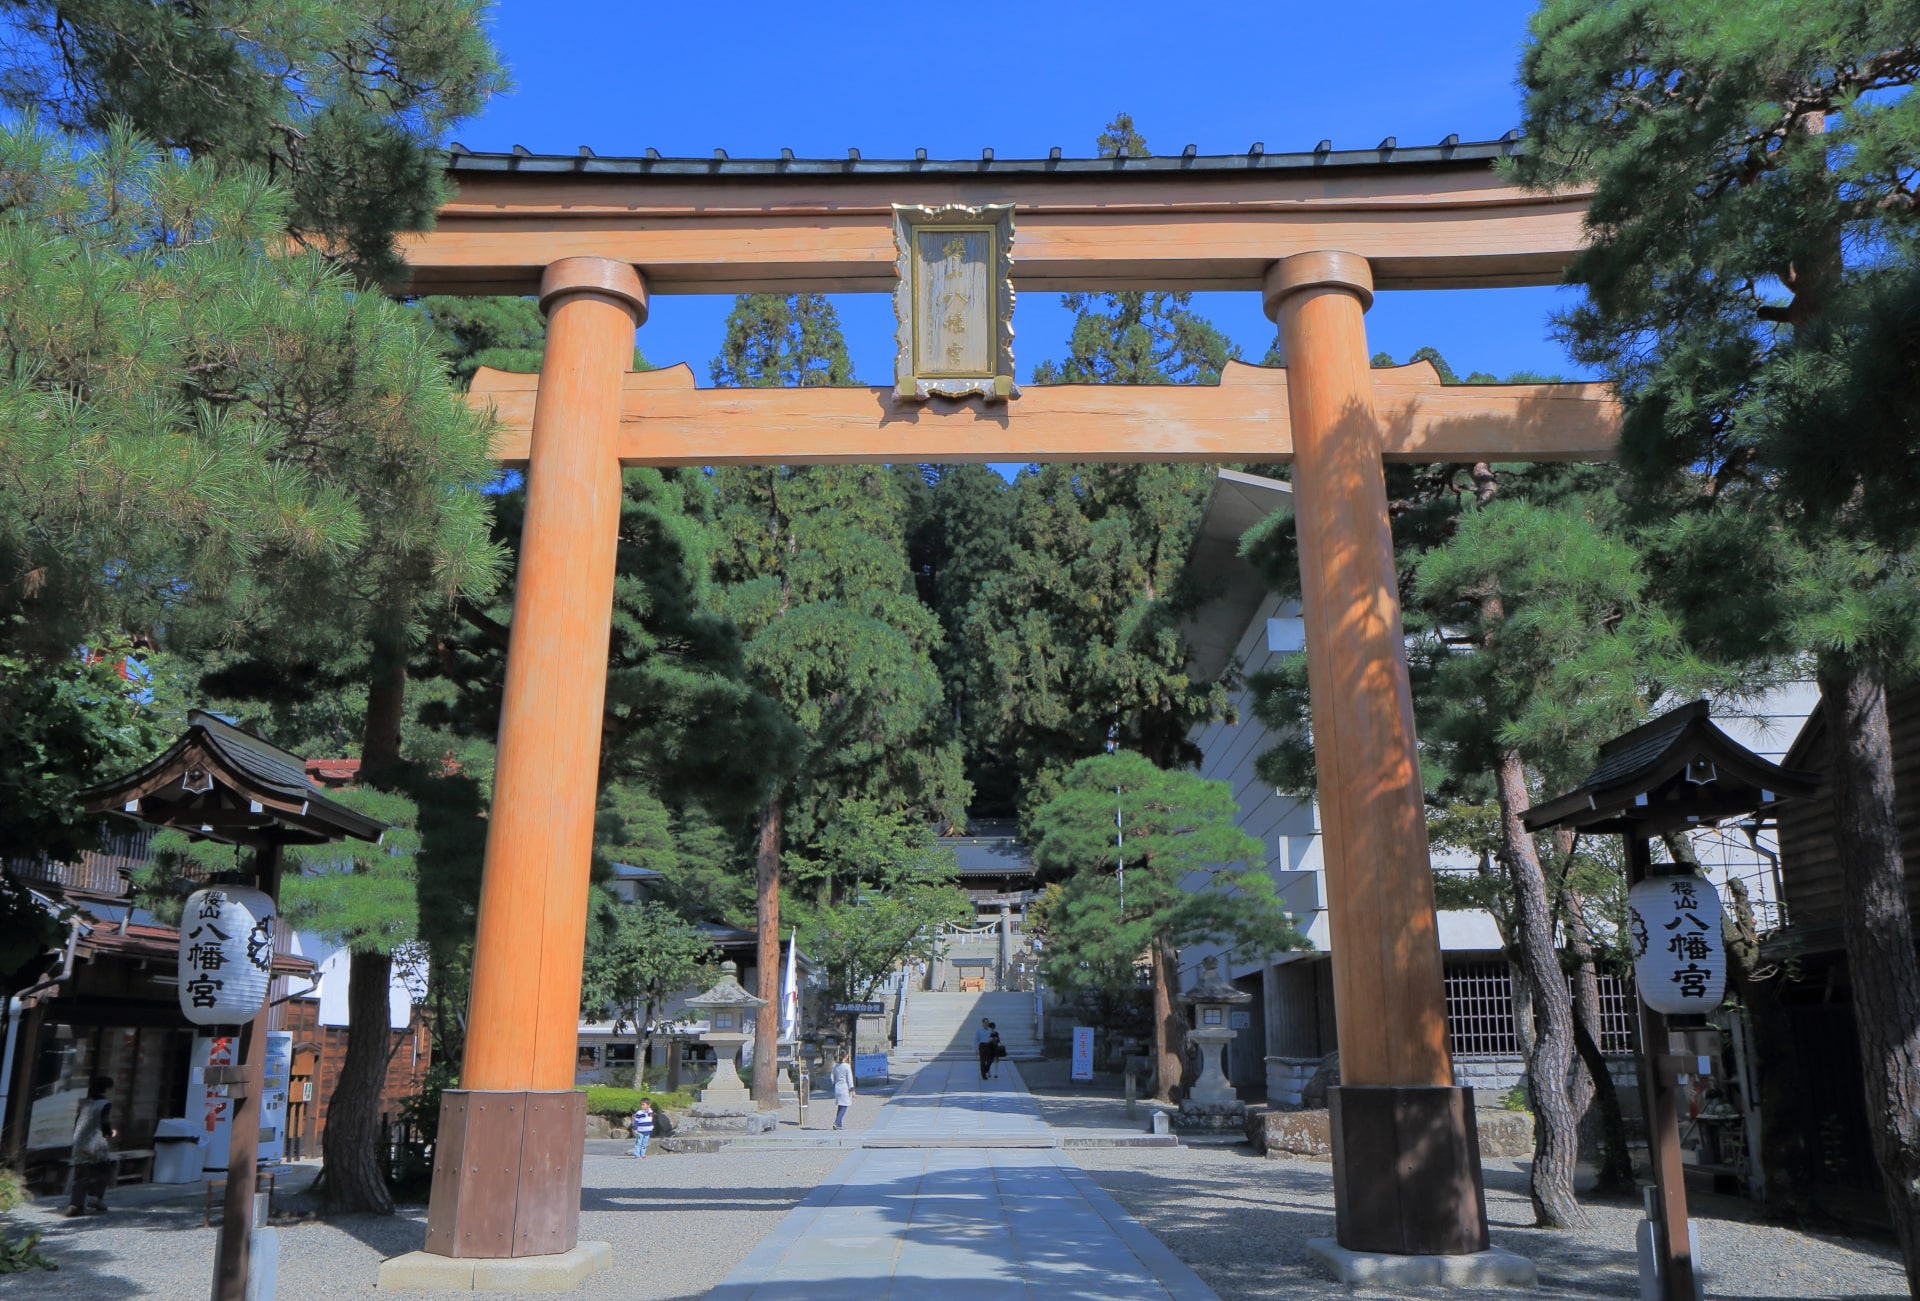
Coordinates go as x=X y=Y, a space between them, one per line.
x=1076 y=640
x=960 y=533
x=1190 y=874
x=1751 y=289
x=343 y=103
x=813 y=569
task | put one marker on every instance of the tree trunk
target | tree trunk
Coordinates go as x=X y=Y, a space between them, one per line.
x=1879 y=933
x=1616 y=1158
x=766 y=1024
x=1169 y=1021
x=351 y=1146
x=1556 y=1128
x=386 y=701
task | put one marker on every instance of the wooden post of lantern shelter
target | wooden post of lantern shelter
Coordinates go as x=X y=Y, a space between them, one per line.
x=246 y=1082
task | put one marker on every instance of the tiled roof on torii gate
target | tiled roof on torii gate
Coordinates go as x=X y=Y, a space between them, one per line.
x=1424 y=216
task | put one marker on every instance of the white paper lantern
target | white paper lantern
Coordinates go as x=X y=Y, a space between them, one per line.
x=226 y=954
x=1679 y=960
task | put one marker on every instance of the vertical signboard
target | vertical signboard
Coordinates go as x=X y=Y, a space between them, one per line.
x=273 y=1100
x=208 y=1104
x=1083 y=1052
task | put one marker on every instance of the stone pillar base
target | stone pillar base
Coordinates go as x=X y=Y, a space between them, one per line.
x=422 y=1271
x=506 y=1175
x=1406 y=1170
x=1490 y=1268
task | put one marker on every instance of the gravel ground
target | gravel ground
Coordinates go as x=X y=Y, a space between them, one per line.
x=1242 y=1222
x=703 y=1214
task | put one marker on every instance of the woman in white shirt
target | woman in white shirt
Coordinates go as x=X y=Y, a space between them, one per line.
x=842 y=1090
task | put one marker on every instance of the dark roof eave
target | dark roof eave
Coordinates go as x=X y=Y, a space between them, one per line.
x=459 y=159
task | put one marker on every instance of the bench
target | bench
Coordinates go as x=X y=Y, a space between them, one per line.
x=133 y=1166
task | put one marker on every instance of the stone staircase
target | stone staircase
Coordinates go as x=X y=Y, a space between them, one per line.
x=942 y=1025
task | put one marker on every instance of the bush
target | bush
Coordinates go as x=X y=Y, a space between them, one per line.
x=618 y=1105
x=1516 y=1099
x=13 y=1189
x=18 y=1255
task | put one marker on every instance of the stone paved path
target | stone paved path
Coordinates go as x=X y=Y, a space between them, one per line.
x=963 y=1199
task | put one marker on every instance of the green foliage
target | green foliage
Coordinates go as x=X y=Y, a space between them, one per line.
x=1515 y=1099
x=342 y=102
x=1136 y=337
x=66 y=724
x=638 y=954
x=782 y=341
x=881 y=886
x=205 y=432
x=618 y=1105
x=1190 y=873
x=21 y=1254
x=1749 y=291
x=504 y=333
x=960 y=533
x=359 y=895
x=1077 y=636
x=13 y=1190
x=812 y=568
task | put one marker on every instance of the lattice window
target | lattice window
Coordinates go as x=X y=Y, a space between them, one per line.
x=1480 y=1009
x=1616 y=1016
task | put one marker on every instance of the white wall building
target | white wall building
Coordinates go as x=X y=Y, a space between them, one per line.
x=1290 y=1023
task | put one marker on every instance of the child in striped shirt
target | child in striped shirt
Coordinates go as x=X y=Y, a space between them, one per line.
x=642 y=1127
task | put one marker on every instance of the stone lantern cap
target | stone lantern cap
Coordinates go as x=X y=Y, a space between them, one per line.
x=1210 y=988
x=727 y=992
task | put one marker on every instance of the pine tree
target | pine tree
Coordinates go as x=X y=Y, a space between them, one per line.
x=1750 y=290
x=343 y=103
x=1152 y=860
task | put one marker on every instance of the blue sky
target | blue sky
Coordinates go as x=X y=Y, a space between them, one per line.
x=889 y=78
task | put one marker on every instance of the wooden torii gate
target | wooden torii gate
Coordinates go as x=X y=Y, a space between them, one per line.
x=1315 y=233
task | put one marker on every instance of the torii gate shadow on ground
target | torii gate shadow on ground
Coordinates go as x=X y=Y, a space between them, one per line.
x=1313 y=233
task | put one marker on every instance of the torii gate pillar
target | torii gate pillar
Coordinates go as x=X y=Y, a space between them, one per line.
x=1406 y=1157
x=506 y=1178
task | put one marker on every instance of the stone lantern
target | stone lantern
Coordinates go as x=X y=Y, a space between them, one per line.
x=1211 y=1103
x=725 y=1105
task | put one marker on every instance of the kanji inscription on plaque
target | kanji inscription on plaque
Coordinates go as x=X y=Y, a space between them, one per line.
x=954 y=302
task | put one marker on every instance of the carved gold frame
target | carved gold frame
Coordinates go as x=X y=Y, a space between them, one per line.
x=914 y=385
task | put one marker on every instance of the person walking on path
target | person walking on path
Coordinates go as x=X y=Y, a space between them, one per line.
x=998 y=1049
x=642 y=1127
x=983 y=1042
x=92 y=1155
x=843 y=1091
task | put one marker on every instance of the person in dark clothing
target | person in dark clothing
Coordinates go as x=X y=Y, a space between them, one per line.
x=92 y=1154
x=983 y=1041
x=999 y=1051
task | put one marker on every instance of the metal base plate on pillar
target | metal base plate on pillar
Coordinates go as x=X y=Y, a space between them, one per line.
x=506 y=1175
x=1406 y=1170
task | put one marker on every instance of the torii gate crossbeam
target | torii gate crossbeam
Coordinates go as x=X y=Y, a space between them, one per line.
x=1311 y=232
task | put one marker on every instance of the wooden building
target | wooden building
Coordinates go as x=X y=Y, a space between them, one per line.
x=1816 y=989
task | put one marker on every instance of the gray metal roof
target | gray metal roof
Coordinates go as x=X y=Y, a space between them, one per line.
x=1388 y=152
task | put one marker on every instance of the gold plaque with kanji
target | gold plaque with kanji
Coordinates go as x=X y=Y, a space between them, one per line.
x=955 y=302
